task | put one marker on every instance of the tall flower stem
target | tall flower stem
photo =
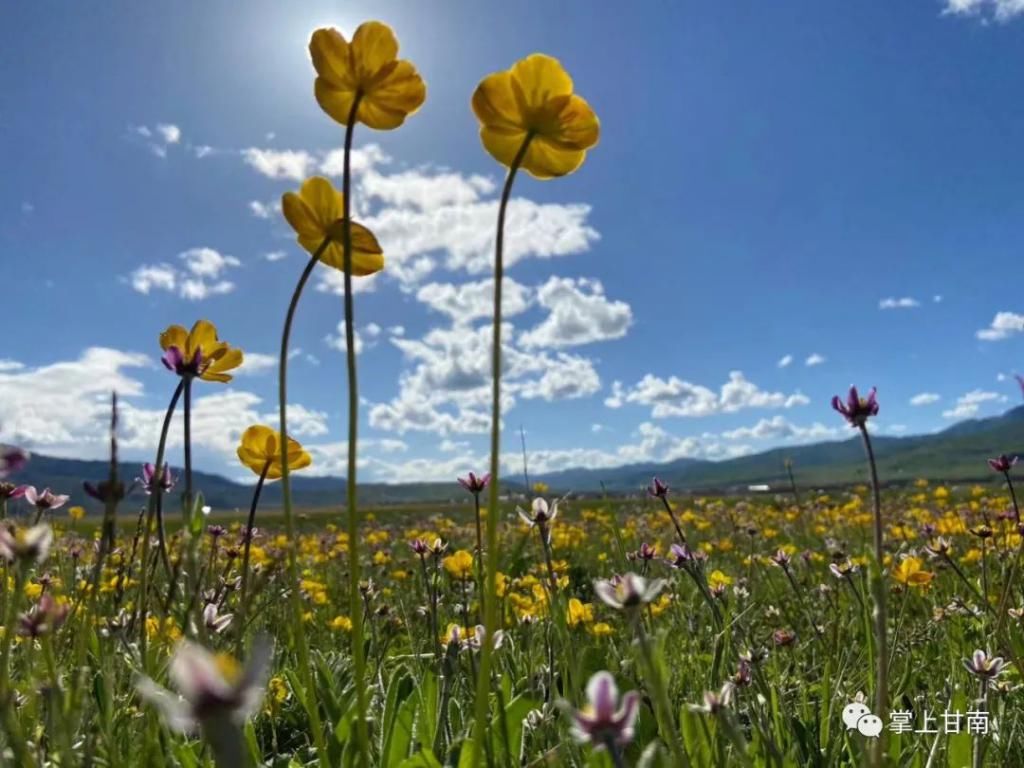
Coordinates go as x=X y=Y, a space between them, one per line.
x=675 y=521
x=1015 y=566
x=479 y=553
x=880 y=615
x=662 y=705
x=243 y=603
x=305 y=670
x=490 y=614
x=187 y=380
x=358 y=655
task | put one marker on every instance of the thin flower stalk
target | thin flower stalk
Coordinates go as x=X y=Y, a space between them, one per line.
x=358 y=652
x=490 y=594
x=298 y=626
x=250 y=524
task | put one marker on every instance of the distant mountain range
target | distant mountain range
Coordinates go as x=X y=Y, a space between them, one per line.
x=956 y=454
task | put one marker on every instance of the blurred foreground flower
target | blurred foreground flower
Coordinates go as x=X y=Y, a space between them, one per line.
x=389 y=89
x=11 y=459
x=46 y=616
x=533 y=105
x=217 y=695
x=603 y=721
x=628 y=591
x=315 y=213
x=25 y=545
x=198 y=352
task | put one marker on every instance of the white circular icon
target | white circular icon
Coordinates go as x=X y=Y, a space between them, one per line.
x=870 y=725
x=854 y=712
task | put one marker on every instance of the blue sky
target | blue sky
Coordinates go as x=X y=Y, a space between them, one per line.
x=768 y=176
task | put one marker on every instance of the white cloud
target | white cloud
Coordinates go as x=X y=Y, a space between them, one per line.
x=294 y=165
x=468 y=302
x=201 y=276
x=1000 y=10
x=428 y=217
x=275 y=255
x=448 y=390
x=779 y=428
x=903 y=303
x=578 y=313
x=365 y=337
x=7 y=365
x=785 y=361
x=333 y=281
x=256 y=364
x=937 y=298
x=1004 y=325
x=264 y=210
x=925 y=398
x=676 y=397
x=157 y=138
x=814 y=359
x=968 y=405
x=170 y=133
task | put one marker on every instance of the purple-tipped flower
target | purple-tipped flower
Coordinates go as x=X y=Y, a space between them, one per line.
x=475 y=484
x=984 y=666
x=1002 y=463
x=781 y=558
x=540 y=513
x=857 y=410
x=604 y=721
x=216 y=622
x=25 y=544
x=11 y=459
x=628 y=591
x=11 y=491
x=681 y=556
x=646 y=552
x=174 y=360
x=420 y=547
x=657 y=489
x=214 y=691
x=46 y=616
x=150 y=482
x=47 y=500
x=104 y=492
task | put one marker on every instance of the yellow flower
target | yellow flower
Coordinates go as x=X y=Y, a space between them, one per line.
x=910 y=574
x=260 y=447
x=579 y=612
x=534 y=100
x=459 y=564
x=314 y=212
x=600 y=629
x=199 y=352
x=719 y=579
x=76 y=513
x=341 y=623
x=389 y=89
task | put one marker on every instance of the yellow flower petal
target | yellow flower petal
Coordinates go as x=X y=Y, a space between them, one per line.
x=374 y=46
x=367 y=255
x=174 y=336
x=332 y=59
x=540 y=79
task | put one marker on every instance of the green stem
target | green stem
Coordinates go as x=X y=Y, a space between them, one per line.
x=662 y=705
x=250 y=523
x=302 y=649
x=155 y=507
x=358 y=654
x=491 y=603
x=880 y=615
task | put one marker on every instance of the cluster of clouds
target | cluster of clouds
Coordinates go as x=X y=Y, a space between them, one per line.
x=1003 y=326
x=675 y=397
x=1000 y=10
x=200 y=275
x=810 y=361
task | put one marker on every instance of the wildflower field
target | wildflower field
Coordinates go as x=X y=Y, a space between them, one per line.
x=872 y=625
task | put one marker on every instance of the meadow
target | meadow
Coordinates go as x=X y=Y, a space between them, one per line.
x=858 y=626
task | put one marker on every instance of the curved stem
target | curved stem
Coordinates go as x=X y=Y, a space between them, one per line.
x=881 y=618
x=358 y=655
x=298 y=627
x=243 y=604
x=491 y=603
x=187 y=380
x=156 y=492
